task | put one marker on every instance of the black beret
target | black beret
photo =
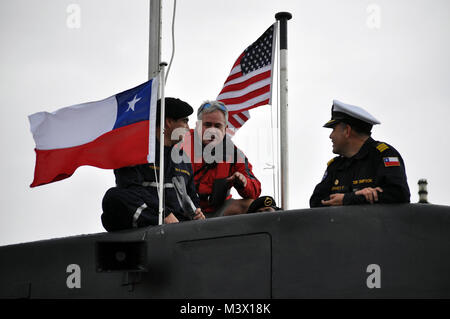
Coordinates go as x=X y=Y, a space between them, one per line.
x=174 y=109
x=261 y=202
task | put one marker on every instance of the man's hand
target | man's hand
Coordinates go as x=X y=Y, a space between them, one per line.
x=335 y=200
x=237 y=180
x=371 y=194
x=170 y=219
x=199 y=214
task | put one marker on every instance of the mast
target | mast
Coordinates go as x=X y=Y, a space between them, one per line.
x=154 y=50
x=155 y=68
x=283 y=17
x=161 y=143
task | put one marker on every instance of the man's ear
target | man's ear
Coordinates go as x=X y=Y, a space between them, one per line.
x=348 y=130
x=168 y=122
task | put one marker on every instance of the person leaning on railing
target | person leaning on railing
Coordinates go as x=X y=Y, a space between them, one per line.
x=366 y=171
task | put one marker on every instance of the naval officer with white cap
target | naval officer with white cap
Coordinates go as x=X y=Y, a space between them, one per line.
x=366 y=171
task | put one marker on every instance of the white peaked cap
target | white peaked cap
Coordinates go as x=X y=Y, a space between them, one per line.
x=354 y=111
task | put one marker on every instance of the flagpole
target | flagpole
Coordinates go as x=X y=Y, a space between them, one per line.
x=154 y=49
x=161 y=143
x=155 y=67
x=283 y=17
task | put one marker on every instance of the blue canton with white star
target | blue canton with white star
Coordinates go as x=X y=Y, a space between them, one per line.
x=133 y=105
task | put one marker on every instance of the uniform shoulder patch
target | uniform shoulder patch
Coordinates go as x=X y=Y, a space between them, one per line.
x=381 y=147
x=391 y=161
x=330 y=161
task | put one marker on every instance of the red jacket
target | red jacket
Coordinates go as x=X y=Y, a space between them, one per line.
x=205 y=174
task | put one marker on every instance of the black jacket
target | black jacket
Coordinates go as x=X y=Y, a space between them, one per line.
x=376 y=164
x=134 y=177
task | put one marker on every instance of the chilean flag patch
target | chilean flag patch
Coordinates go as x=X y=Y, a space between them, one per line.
x=391 y=161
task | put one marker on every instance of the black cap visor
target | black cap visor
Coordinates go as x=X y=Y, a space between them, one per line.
x=338 y=117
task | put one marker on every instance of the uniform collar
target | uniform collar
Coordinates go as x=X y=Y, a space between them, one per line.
x=364 y=150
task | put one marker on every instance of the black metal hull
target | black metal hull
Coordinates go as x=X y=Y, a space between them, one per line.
x=377 y=251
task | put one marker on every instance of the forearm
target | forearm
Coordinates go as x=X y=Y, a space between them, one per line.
x=316 y=201
x=321 y=192
x=251 y=190
x=352 y=199
x=394 y=194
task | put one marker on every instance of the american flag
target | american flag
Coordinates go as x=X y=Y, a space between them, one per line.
x=250 y=81
x=236 y=120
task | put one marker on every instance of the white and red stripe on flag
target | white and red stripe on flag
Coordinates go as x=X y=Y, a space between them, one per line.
x=236 y=120
x=250 y=81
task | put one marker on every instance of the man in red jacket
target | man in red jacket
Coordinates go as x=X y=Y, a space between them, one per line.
x=219 y=165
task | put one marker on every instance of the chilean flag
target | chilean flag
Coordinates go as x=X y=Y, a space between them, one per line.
x=391 y=161
x=112 y=133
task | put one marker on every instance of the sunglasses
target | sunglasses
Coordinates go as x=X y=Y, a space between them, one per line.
x=220 y=105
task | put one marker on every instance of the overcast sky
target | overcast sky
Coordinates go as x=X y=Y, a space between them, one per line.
x=390 y=57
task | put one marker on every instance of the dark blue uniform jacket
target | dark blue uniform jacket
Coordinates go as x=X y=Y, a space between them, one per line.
x=376 y=164
x=134 y=202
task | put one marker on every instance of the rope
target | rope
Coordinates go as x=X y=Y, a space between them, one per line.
x=173 y=38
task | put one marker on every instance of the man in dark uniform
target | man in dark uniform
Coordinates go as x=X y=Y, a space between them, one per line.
x=134 y=201
x=366 y=171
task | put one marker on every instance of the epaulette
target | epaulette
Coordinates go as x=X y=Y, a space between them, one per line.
x=381 y=147
x=330 y=161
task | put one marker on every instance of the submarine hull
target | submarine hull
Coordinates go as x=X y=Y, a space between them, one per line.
x=371 y=251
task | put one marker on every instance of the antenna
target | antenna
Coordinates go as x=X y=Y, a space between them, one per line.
x=423 y=193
